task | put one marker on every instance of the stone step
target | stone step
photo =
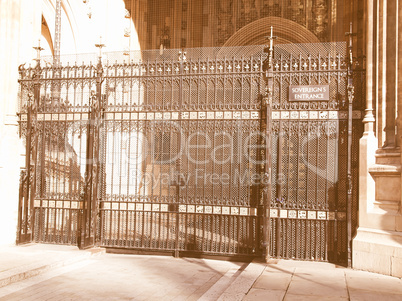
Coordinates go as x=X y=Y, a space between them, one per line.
x=18 y=265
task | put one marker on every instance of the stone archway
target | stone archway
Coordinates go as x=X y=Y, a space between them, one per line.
x=256 y=32
x=45 y=31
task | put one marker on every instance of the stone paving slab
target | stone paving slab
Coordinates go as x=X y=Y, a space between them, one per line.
x=310 y=283
x=322 y=281
x=242 y=284
x=278 y=282
x=362 y=295
x=257 y=294
x=357 y=280
x=298 y=297
x=21 y=262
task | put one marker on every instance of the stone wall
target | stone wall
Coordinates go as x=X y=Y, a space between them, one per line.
x=377 y=246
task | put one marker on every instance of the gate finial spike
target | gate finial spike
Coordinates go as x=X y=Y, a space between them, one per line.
x=270 y=49
x=38 y=50
x=350 y=34
x=271 y=37
x=100 y=45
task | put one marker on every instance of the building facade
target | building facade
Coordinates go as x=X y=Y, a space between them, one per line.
x=134 y=25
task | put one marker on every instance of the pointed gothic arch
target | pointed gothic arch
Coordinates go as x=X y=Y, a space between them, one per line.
x=256 y=32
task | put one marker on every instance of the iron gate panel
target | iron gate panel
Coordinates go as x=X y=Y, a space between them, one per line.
x=309 y=154
x=60 y=125
x=185 y=185
x=176 y=158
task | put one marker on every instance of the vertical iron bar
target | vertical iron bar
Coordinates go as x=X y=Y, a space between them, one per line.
x=182 y=58
x=86 y=204
x=349 y=158
x=267 y=102
x=100 y=149
x=21 y=197
x=23 y=219
x=34 y=142
x=43 y=191
x=90 y=210
x=26 y=218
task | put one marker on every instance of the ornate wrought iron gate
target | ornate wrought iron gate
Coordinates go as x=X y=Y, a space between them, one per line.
x=168 y=152
x=309 y=150
x=180 y=156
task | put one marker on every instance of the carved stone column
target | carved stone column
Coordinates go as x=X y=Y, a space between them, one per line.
x=391 y=70
x=399 y=101
x=368 y=143
x=370 y=63
x=399 y=74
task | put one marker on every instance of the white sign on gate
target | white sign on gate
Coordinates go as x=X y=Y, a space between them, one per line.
x=311 y=92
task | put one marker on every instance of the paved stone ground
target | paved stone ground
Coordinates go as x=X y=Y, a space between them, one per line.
x=31 y=254
x=18 y=263
x=124 y=277
x=139 y=277
x=295 y=280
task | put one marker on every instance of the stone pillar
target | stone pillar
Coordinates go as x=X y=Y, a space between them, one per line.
x=399 y=101
x=368 y=143
x=379 y=77
x=377 y=246
x=399 y=74
x=391 y=69
x=10 y=11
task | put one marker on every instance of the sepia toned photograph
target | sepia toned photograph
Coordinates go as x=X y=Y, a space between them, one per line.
x=200 y=150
